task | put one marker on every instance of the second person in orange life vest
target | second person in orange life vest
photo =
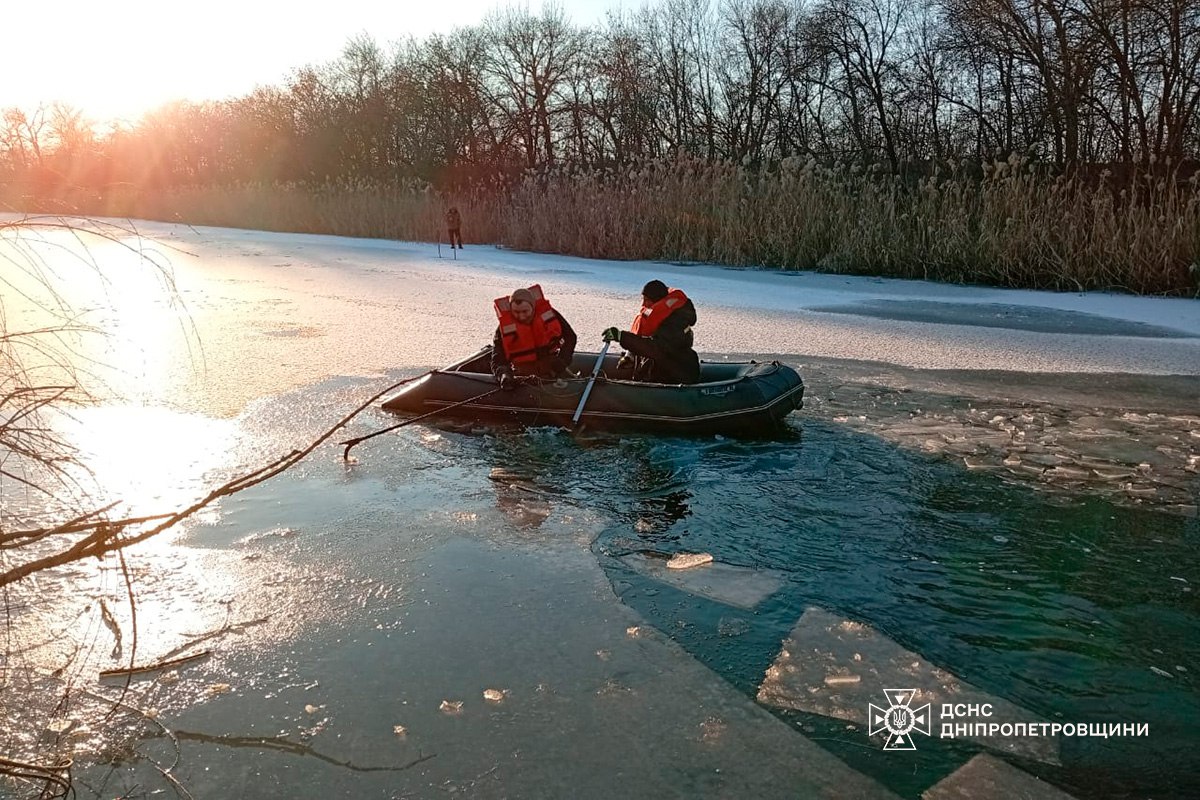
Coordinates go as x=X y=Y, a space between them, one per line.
x=660 y=343
x=531 y=339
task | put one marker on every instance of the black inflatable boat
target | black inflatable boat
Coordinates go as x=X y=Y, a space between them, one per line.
x=736 y=398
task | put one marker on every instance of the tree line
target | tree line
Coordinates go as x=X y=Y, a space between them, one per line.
x=882 y=82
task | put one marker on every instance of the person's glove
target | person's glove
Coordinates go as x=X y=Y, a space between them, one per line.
x=507 y=381
x=611 y=334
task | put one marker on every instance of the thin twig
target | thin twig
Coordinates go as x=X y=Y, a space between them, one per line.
x=141 y=713
x=285 y=745
x=202 y=637
x=133 y=627
x=39 y=772
x=351 y=442
x=169 y=663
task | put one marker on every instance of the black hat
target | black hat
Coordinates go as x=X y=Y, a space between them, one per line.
x=654 y=291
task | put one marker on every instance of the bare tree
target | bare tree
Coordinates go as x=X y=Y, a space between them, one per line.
x=681 y=42
x=863 y=39
x=22 y=137
x=615 y=92
x=452 y=74
x=759 y=51
x=754 y=80
x=1149 y=84
x=531 y=57
x=1050 y=40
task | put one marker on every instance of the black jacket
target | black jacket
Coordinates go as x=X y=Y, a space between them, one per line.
x=552 y=359
x=667 y=356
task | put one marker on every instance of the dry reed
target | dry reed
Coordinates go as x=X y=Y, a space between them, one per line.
x=1009 y=226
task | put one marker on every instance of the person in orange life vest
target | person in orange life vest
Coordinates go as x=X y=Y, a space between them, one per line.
x=454 y=227
x=660 y=344
x=531 y=339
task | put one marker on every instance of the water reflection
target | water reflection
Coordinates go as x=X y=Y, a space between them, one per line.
x=660 y=490
x=636 y=480
x=518 y=496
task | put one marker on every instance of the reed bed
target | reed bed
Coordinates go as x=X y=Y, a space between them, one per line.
x=1009 y=226
x=1005 y=224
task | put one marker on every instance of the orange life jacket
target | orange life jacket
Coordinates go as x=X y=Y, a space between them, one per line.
x=648 y=319
x=527 y=343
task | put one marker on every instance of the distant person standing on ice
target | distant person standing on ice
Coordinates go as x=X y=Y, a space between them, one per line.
x=454 y=226
x=660 y=344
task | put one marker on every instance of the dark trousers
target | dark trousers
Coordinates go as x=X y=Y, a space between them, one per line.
x=455 y=236
x=659 y=363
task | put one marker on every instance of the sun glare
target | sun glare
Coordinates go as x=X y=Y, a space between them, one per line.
x=120 y=60
x=149 y=459
x=137 y=451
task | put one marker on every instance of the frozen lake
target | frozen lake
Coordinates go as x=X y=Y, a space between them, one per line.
x=999 y=486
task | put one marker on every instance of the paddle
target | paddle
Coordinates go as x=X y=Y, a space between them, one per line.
x=587 y=390
x=351 y=442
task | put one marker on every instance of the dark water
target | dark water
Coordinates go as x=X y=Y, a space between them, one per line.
x=1058 y=604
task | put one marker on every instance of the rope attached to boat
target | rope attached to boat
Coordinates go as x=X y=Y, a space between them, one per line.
x=351 y=442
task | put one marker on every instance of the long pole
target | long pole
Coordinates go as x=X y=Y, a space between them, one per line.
x=587 y=390
x=351 y=442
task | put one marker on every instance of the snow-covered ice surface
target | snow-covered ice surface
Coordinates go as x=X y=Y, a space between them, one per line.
x=276 y=311
x=1084 y=391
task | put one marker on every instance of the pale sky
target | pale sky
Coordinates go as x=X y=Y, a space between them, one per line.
x=121 y=58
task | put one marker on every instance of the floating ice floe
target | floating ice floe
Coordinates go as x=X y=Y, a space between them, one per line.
x=494 y=695
x=985 y=777
x=712 y=729
x=451 y=706
x=742 y=587
x=837 y=668
x=689 y=560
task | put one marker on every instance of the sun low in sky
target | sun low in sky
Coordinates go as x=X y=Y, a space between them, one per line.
x=119 y=59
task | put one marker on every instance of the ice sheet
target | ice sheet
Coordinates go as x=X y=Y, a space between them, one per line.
x=732 y=585
x=595 y=703
x=815 y=669
x=985 y=777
